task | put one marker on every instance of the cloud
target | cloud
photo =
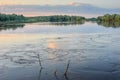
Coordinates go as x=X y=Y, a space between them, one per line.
x=36 y=10
x=72 y=3
x=76 y=3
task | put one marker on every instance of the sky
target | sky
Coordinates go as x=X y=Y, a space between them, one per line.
x=99 y=3
x=86 y=8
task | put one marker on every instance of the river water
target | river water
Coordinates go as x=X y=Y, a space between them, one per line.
x=90 y=51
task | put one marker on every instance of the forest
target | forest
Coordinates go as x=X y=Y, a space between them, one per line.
x=109 y=18
x=55 y=18
x=11 y=17
x=8 y=18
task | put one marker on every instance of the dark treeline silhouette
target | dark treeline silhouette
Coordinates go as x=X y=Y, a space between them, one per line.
x=106 y=20
x=109 y=20
x=56 y=18
x=11 y=18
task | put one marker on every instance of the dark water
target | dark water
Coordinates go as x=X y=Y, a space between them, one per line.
x=92 y=52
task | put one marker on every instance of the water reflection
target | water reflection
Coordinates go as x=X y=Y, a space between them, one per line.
x=93 y=56
x=58 y=25
x=10 y=26
x=109 y=24
x=52 y=44
x=67 y=23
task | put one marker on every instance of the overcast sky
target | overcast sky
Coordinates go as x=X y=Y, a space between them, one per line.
x=99 y=3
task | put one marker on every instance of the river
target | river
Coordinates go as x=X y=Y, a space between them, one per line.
x=45 y=51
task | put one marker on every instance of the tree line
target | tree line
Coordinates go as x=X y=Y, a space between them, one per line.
x=11 y=17
x=55 y=18
x=109 y=18
x=58 y=18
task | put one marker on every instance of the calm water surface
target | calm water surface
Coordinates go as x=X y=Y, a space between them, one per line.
x=92 y=52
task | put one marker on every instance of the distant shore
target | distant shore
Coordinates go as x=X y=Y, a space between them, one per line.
x=6 y=19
